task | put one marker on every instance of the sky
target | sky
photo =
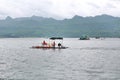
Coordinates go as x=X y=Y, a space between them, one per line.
x=58 y=9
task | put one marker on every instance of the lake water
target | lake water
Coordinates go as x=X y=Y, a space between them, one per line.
x=93 y=59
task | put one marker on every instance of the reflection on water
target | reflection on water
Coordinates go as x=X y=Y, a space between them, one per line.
x=84 y=60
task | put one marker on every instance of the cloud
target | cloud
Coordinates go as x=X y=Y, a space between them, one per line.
x=58 y=9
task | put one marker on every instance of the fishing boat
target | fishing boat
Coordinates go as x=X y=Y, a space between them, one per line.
x=84 y=37
x=97 y=37
x=51 y=45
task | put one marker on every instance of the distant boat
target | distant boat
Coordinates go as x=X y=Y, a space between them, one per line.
x=97 y=37
x=84 y=38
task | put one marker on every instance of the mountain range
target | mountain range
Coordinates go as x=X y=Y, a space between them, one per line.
x=35 y=26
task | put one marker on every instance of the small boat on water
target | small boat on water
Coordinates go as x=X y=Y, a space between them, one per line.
x=84 y=38
x=97 y=37
x=52 y=45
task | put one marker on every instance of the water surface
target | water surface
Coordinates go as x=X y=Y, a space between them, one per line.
x=93 y=59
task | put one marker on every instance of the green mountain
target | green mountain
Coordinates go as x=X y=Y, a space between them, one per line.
x=35 y=26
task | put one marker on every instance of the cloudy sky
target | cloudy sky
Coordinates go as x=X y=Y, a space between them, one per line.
x=58 y=9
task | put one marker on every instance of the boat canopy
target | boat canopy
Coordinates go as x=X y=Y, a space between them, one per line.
x=53 y=38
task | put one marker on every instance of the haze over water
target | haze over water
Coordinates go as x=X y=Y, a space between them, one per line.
x=93 y=59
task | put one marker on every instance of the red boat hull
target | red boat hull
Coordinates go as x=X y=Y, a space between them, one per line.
x=41 y=47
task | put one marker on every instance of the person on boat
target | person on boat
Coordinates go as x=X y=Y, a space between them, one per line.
x=59 y=45
x=53 y=44
x=44 y=43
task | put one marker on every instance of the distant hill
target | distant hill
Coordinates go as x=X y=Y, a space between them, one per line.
x=35 y=26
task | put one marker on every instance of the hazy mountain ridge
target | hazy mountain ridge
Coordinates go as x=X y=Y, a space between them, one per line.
x=35 y=26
